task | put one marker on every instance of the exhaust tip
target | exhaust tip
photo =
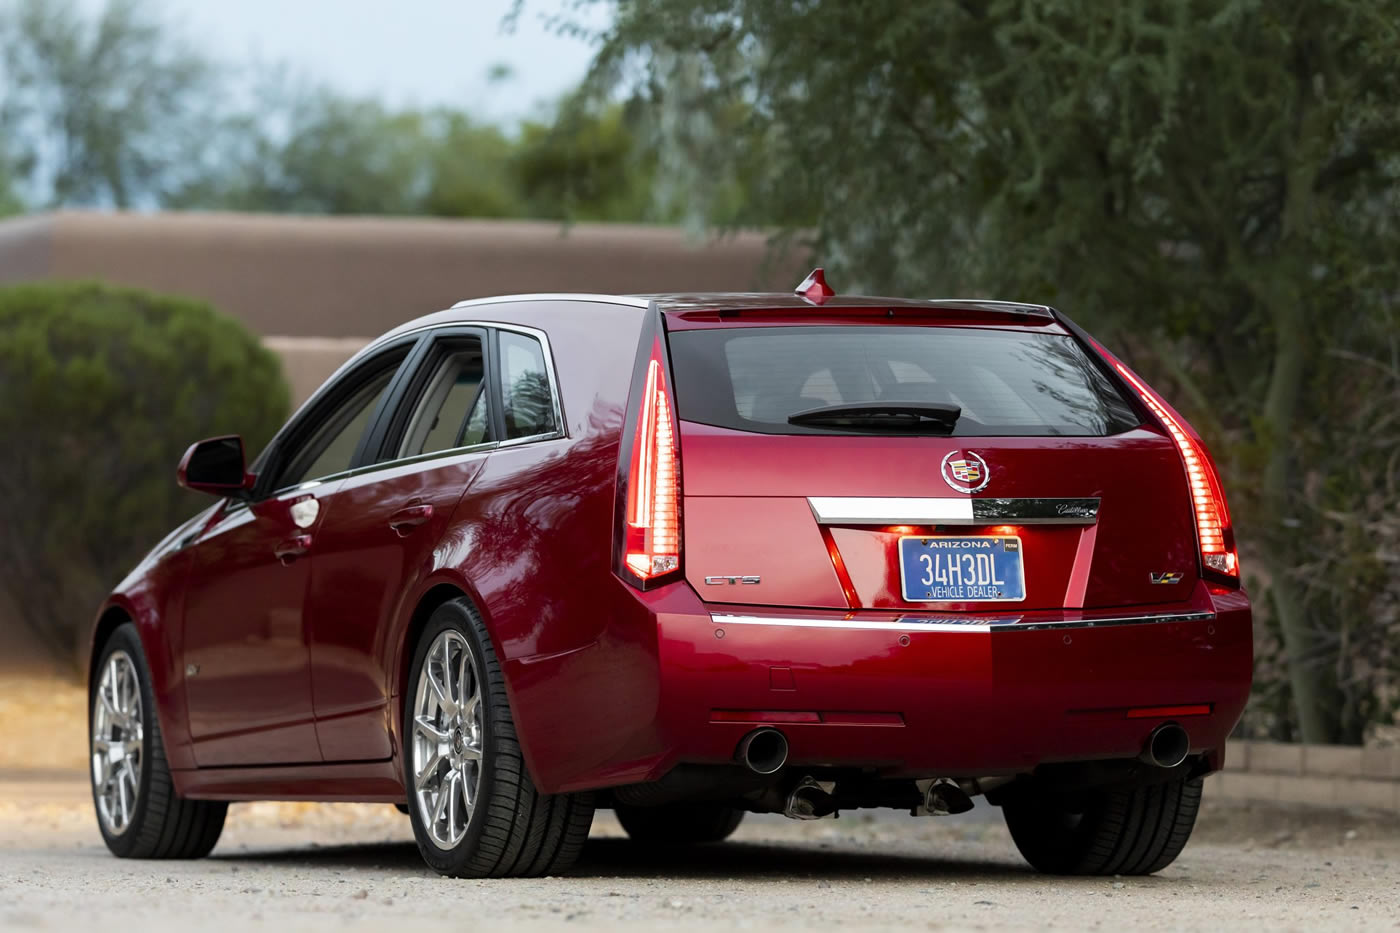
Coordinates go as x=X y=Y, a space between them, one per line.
x=1167 y=746
x=763 y=751
x=809 y=801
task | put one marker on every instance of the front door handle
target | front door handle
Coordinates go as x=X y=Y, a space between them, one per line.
x=406 y=519
x=294 y=547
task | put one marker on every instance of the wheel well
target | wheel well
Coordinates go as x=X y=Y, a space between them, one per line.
x=114 y=617
x=435 y=597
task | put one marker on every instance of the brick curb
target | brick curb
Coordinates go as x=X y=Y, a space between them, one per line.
x=1320 y=775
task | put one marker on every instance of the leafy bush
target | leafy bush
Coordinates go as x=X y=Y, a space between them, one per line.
x=101 y=389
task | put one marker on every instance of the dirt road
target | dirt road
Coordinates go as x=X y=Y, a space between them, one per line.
x=354 y=867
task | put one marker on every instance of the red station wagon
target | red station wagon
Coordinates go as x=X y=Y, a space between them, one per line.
x=687 y=557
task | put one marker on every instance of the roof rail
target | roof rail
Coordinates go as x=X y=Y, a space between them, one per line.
x=987 y=304
x=631 y=301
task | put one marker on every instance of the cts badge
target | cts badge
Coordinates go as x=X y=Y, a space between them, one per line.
x=731 y=581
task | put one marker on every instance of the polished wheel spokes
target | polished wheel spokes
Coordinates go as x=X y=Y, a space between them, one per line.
x=118 y=742
x=447 y=739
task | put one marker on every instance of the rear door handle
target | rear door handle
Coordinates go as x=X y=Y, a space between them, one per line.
x=294 y=547
x=410 y=517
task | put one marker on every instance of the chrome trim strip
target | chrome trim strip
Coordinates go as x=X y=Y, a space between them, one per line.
x=857 y=510
x=933 y=623
x=1037 y=511
x=628 y=300
x=988 y=304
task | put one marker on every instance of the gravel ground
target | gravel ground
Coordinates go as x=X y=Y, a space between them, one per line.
x=304 y=866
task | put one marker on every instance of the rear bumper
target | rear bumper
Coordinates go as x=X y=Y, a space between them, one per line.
x=924 y=696
x=915 y=695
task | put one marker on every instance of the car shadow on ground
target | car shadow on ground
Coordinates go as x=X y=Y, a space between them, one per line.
x=621 y=858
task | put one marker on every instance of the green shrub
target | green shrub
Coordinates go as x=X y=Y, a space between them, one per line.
x=101 y=390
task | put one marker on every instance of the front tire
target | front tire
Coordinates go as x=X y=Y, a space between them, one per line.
x=679 y=824
x=475 y=810
x=1119 y=831
x=138 y=811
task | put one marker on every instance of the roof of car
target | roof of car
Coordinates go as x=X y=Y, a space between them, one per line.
x=776 y=301
x=769 y=301
x=701 y=301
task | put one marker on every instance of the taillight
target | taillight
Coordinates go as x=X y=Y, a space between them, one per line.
x=652 y=539
x=1213 y=530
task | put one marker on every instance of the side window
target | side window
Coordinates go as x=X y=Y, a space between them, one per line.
x=527 y=404
x=330 y=446
x=452 y=411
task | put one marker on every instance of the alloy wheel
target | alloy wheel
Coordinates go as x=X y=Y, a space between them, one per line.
x=447 y=739
x=118 y=742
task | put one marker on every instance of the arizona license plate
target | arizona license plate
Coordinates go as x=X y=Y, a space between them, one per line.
x=969 y=569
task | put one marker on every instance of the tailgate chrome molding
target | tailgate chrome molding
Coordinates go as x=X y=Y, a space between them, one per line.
x=858 y=510
x=928 y=622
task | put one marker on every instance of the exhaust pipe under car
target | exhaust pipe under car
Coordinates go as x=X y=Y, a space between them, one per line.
x=1167 y=746
x=809 y=801
x=763 y=751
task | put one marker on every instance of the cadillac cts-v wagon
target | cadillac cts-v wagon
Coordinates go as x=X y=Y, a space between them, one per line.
x=688 y=557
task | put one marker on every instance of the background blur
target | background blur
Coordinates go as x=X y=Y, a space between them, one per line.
x=211 y=205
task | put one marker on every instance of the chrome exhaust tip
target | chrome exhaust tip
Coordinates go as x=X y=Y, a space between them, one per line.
x=944 y=798
x=763 y=751
x=1167 y=746
x=809 y=801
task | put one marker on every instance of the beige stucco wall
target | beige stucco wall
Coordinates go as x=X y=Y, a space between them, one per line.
x=309 y=361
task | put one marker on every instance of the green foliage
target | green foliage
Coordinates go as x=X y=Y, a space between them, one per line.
x=100 y=110
x=101 y=389
x=1210 y=184
x=320 y=152
x=10 y=202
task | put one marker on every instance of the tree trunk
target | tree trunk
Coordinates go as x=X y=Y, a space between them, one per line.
x=1300 y=641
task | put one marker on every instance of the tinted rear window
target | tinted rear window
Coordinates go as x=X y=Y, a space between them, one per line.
x=1006 y=382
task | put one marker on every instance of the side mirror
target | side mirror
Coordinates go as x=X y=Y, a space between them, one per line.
x=216 y=466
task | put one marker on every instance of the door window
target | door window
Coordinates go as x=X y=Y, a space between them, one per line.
x=527 y=399
x=452 y=411
x=332 y=433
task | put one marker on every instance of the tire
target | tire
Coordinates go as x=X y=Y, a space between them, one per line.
x=1134 y=831
x=159 y=824
x=679 y=824
x=511 y=829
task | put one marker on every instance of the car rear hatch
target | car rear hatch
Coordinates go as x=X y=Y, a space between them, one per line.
x=919 y=459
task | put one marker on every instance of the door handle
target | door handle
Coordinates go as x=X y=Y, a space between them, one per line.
x=410 y=517
x=294 y=547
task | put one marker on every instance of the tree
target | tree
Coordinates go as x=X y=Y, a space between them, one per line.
x=102 y=111
x=312 y=150
x=100 y=391
x=1209 y=183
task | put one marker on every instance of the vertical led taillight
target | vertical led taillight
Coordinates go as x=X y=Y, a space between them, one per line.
x=652 y=532
x=1213 y=529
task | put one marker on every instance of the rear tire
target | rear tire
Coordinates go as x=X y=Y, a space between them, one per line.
x=510 y=829
x=126 y=752
x=679 y=824
x=1132 y=831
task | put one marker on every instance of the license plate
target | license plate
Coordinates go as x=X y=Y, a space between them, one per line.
x=969 y=569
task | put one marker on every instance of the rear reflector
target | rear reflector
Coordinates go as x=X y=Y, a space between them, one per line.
x=1213 y=531
x=653 y=543
x=1160 y=712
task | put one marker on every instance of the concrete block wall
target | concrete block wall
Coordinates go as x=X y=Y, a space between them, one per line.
x=1319 y=775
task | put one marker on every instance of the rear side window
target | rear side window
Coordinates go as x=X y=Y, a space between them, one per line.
x=527 y=403
x=452 y=412
x=1001 y=382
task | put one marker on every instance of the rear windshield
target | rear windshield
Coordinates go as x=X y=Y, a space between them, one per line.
x=1002 y=382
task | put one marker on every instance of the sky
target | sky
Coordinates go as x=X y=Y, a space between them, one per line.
x=420 y=52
